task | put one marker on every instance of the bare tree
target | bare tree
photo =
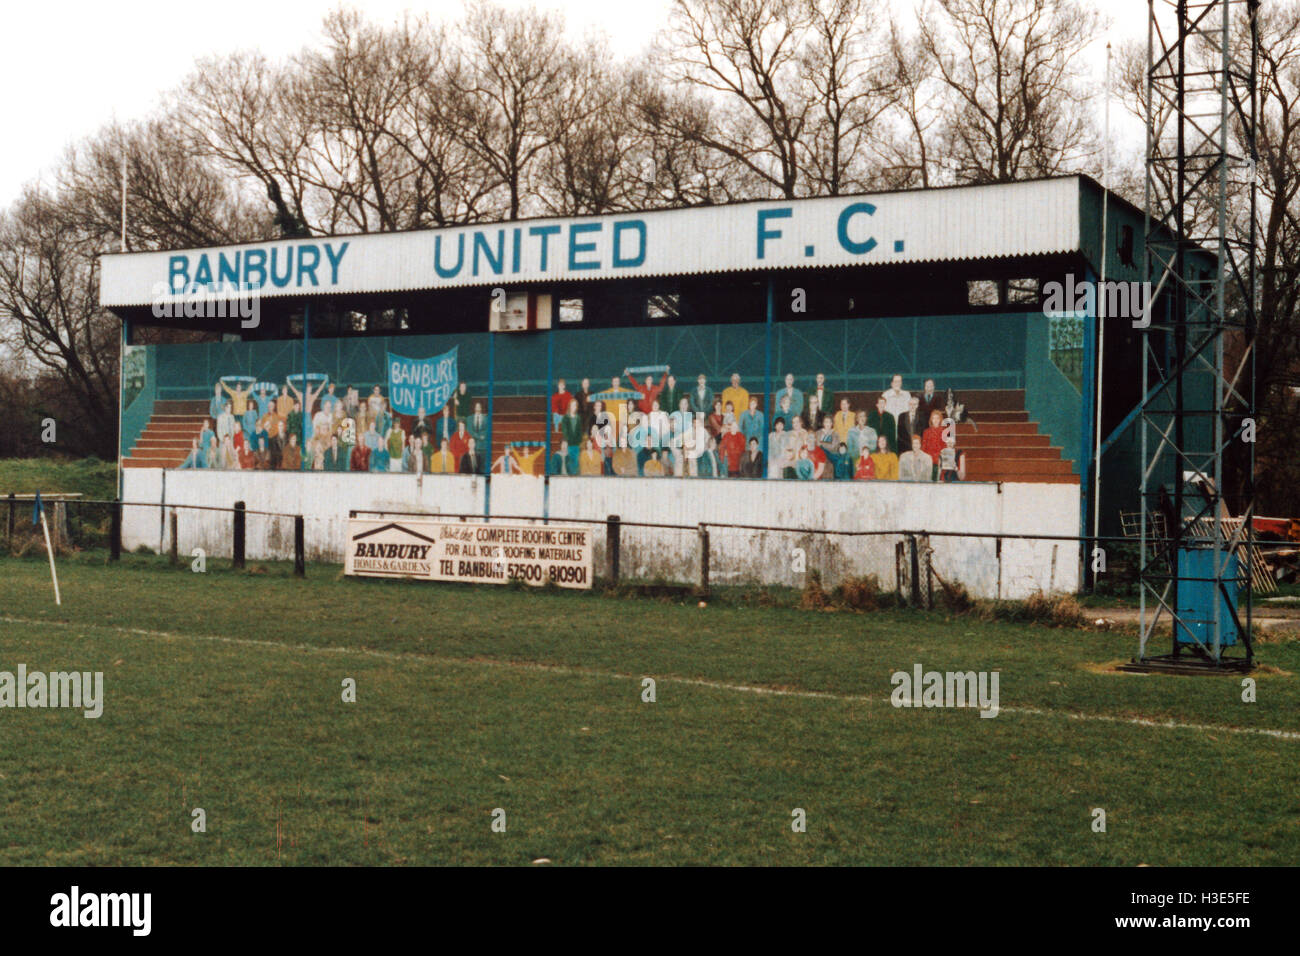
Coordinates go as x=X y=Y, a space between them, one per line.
x=1016 y=104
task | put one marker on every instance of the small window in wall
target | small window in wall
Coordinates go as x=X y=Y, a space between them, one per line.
x=570 y=310
x=1022 y=291
x=1126 y=245
x=355 y=322
x=663 y=306
x=981 y=292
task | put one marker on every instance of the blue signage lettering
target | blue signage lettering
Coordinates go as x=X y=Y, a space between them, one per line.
x=629 y=262
x=765 y=233
x=842 y=230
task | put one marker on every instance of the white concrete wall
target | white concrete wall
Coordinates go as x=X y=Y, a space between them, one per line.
x=737 y=556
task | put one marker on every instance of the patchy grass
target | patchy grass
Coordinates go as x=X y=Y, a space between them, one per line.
x=223 y=691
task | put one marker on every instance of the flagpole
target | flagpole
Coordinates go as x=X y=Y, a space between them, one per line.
x=1101 y=309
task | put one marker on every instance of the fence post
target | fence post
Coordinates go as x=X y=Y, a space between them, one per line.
x=916 y=571
x=13 y=505
x=115 y=532
x=174 y=550
x=238 y=547
x=704 y=559
x=299 y=559
x=612 y=542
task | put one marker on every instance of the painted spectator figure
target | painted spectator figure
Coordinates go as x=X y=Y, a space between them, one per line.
x=671 y=463
x=624 y=462
x=682 y=420
x=804 y=467
x=653 y=468
x=883 y=424
x=660 y=428
x=732 y=447
x=335 y=459
x=471 y=463
x=912 y=423
x=930 y=400
x=562 y=462
x=283 y=402
x=812 y=412
x=217 y=402
x=226 y=424
x=866 y=470
x=842 y=463
x=291 y=456
x=649 y=391
x=443 y=462
x=702 y=401
x=229 y=457
x=248 y=422
x=462 y=401
x=379 y=451
x=371 y=438
x=262 y=457
x=885 y=460
x=459 y=441
x=572 y=428
x=351 y=403
x=710 y=464
x=717 y=421
x=751 y=465
x=896 y=400
x=797 y=436
x=446 y=424
x=844 y=420
x=247 y=458
x=359 y=460
x=952 y=460
x=321 y=423
x=478 y=424
x=777 y=443
x=915 y=465
x=238 y=398
x=820 y=463
x=789 y=462
x=293 y=421
x=197 y=458
x=265 y=404
x=784 y=410
x=821 y=394
x=421 y=429
x=791 y=395
x=735 y=394
x=752 y=424
x=329 y=402
x=827 y=438
x=396 y=447
x=376 y=401
x=206 y=434
x=278 y=442
x=583 y=398
x=932 y=438
x=308 y=396
x=591 y=461
x=559 y=404
x=672 y=396
x=317 y=458
x=861 y=436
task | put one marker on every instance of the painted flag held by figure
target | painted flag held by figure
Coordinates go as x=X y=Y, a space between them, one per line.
x=415 y=384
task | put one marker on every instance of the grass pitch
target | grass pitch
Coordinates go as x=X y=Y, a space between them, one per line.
x=223 y=692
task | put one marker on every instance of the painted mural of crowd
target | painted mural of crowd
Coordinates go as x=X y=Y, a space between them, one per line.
x=813 y=436
x=265 y=428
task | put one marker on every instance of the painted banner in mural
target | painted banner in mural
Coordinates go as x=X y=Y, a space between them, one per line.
x=418 y=386
x=475 y=552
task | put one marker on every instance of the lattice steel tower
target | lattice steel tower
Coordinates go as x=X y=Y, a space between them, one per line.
x=1198 y=381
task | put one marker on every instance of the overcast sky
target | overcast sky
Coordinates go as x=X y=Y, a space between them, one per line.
x=70 y=66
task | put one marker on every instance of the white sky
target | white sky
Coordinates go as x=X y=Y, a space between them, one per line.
x=70 y=66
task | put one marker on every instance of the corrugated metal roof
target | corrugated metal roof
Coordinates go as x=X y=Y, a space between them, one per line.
x=973 y=222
